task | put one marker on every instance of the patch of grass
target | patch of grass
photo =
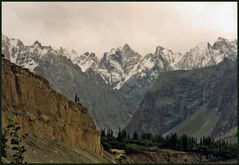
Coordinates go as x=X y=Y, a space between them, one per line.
x=121 y=156
x=117 y=151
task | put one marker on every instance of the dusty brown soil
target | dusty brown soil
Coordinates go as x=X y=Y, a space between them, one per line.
x=40 y=150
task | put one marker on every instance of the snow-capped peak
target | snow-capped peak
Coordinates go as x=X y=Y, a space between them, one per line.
x=28 y=56
x=86 y=61
x=202 y=46
x=112 y=51
x=168 y=55
x=159 y=49
x=221 y=39
x=150 y=66
x=205 y=55
x=126 y=47
x=37 y=44
x=71 y=54
x=4 y=37
x=115 y=65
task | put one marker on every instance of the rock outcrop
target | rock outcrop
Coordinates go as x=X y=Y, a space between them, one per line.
x=44 y=113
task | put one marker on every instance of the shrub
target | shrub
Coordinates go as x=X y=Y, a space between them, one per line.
x=12 y=132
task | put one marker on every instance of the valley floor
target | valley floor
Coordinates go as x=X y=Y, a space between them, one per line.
x=52 y=151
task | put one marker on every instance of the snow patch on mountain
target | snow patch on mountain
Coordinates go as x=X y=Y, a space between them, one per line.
x=115 y=66
x=86 y=61
x=31 y=65
x=150 y=65
x=205 y=54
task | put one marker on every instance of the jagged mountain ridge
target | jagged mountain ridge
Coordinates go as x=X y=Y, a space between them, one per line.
x=115 y=69
x=199 y=102
x=121 y=64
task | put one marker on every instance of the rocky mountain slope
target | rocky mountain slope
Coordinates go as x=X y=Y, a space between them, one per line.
x=144 y=74
x=44 y=114
x=141 y=78
x=200 y=102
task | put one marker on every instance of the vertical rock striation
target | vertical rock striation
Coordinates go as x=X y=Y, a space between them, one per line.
x=44 y=113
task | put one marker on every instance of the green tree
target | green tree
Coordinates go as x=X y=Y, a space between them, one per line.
x=124 y=135
x=102 y=132
x=75 y=98
x=149 y=136
x=174 y=140
x=109 y=133
x=4 y=145
x=135 y=136
x=11 y=133
x=128 y=137
x=185 y=142
x=119 y=136
x=143 y=136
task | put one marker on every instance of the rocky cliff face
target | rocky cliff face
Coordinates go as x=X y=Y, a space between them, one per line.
x=200 y=102
x=44 y=113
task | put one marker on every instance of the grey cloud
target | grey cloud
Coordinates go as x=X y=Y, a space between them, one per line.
x=98 y=27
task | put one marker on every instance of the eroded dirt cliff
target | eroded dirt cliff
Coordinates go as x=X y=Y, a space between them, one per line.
x=45 y=114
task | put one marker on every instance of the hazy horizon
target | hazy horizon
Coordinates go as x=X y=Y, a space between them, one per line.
x=99 y=26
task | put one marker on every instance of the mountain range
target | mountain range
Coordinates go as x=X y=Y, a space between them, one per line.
x=113 y=86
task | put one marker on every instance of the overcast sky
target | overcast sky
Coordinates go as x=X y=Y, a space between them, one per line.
x=100 y=26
